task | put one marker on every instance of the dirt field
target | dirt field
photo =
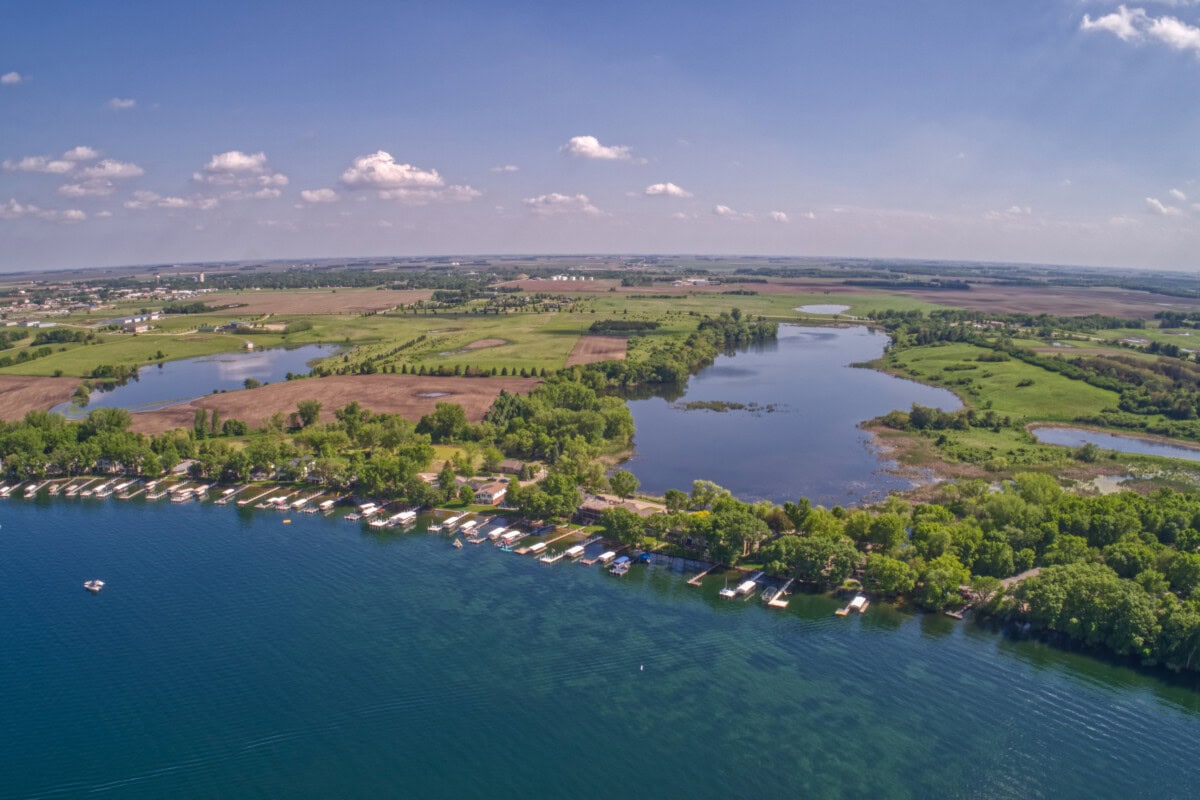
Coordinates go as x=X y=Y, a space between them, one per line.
x=324 y=301
x=590 y=349
x=19 y=394
x=479 y=344
x=409 y=395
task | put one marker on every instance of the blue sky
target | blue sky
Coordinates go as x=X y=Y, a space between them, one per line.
x=139 y=132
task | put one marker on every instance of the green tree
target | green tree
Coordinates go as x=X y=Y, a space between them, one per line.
x=623 y=525
x=888 y=576
x=623 y=483
x=309 y=411
x=940 y=582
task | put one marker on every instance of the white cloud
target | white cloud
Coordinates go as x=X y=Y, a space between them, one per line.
x=11 y=78
x=666 y=190
x=590 y=147
x=779 y=216
x=111 y=168
x=1178 y=195
x=1124 y=23
x=421 y=197
x=1011 y=213
x=809 y=215
x=14 y=210
x=1156 y=206
x=81 y=153
x=104 y=214
x=729 y=213
x=39 y=164
x=1135 y=25
x=379 y=170
x=235 y=161
x=143 y=200
x=555 y=203
x=121 y=103
x=318 y=195
x=506 y=168
x=92 y=188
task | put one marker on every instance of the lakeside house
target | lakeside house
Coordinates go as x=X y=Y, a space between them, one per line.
x=491 y=493
x=589 y=511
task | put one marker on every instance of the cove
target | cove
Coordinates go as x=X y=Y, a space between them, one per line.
x=1136 y=445
x=233 y=656
x=809 y=446
x=176 y=382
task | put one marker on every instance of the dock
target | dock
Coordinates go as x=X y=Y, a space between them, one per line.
x=248 y=500
x=697 y=580
x=132 y=492
x=229 y=494
x=780 y=598
x=859 y=604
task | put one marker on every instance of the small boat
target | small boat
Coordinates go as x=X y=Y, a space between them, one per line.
x=458 y=545
x=621 y=566
x=93 y=586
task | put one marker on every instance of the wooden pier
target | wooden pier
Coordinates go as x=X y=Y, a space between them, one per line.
x=780 y=600
x=248 y=500
x=225 y=498
x=697 y=580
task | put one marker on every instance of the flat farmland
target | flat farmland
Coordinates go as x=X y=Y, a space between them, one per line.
x=590 y=349
x=323 y=301
x=408 y=395
x=20 y=393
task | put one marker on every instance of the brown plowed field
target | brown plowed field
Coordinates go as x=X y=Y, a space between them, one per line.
x=409 y=395
x=21 y=393
x=590 y=349
x=323 y=301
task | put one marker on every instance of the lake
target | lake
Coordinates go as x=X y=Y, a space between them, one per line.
x=232 y=656
x=809 y=446
x=176 y=382
x=1077 y=437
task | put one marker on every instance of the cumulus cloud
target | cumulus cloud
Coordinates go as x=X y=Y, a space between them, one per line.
x=145 y=200
x=421 y=197
x=1156 y=206
x=11 y=78
x=14 y=210
x=121 y=103
x=666 y=190
x=554 y=204
x=729 y=213
x=506 y=168
x=318 y=195
x=380 y=170
x=1178 y=194
x=97 y=180
x=111 y=168
x=590 y=147
x=81 y=153
x=53 y=166
x=247 y=173
x=779 y=216
x=1135 y=25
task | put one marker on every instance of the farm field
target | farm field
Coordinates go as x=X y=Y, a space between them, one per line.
x=315 y=301
x=20 y=394
x=590 y=349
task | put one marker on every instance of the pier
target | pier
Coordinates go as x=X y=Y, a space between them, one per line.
x=248 y=500
x=229 y=494
x=697 y=580
x=780 y=599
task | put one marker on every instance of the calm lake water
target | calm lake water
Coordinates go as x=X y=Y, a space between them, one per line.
x=177 y=382
x=232 y=656
x=810 y=446
x=1074 y=437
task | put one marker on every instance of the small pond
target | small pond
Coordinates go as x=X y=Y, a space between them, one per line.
x=790 y=428
x=175 y=382
x=823 y=308
x=1076 y=437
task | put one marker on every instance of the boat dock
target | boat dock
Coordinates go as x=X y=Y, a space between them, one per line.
x=859 y=604
x=248 y=500
x=780 y=598
x=229 y=494
x=698 y=579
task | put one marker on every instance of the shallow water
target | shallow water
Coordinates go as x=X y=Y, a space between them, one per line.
x=232 y=656
x=176 y=382
x=1076 y=437
x=809 y=446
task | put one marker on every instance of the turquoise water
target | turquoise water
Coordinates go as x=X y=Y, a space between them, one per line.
x=233 y=656
x=1077 y=437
